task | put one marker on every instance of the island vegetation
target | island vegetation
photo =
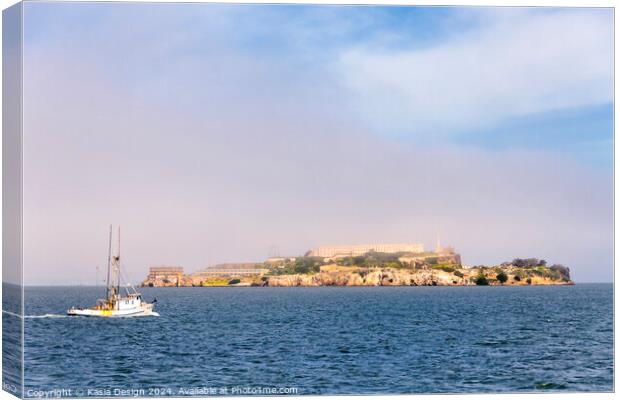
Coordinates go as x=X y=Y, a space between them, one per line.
x=382 y=269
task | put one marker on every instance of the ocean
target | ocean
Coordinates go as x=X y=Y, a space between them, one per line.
x=324 y=340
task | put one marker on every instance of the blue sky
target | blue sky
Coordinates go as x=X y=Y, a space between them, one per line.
x=584 y=133
x=312 y=38
x=311 y=102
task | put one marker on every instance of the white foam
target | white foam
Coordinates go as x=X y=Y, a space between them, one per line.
x=46 y=316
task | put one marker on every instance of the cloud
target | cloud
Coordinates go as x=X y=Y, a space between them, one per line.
x=515 y=63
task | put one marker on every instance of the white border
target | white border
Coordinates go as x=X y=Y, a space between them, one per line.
x=506 y=3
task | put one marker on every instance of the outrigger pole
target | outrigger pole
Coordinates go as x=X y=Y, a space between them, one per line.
x=107 y=284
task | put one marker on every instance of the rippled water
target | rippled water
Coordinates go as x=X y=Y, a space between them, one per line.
x=328 y=340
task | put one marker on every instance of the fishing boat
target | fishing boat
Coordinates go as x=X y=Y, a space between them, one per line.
x=117 y=304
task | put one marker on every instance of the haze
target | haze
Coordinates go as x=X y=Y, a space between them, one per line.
x=216 y=133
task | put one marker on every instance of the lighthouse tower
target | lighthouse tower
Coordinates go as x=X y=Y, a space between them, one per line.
x=438 y=248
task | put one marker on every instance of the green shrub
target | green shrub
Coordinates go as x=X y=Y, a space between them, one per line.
x=307 y=265
x=444 y=267
x=502 y=277
x=517 y=278
x=539 y=271
x=529 y=281
x=481 y=280
x=528 y=262
x=234 y=281
x=561 y=271
x=458 y=273
x=374 y=259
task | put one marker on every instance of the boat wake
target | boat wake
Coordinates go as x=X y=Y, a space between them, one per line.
x=34 y=316
x=46 y=316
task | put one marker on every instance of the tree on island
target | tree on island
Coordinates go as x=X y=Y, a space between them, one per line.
x=561 y=271
x=502 y=277
x=481 y=280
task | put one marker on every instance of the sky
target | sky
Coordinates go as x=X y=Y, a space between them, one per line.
x=217 y=133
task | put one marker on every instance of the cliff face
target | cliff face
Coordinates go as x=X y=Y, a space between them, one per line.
x=186 y=281
x=408 y=277
x=374 y=277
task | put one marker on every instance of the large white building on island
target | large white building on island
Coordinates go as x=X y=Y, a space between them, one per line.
x=232 y=270
x=361 y=249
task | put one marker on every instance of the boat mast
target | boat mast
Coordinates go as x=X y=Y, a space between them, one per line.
x=107 y=285
x=118 y=264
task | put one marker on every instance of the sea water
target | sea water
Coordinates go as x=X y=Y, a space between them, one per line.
x=325 y=340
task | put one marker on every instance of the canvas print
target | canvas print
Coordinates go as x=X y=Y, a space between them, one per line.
x=219 y=199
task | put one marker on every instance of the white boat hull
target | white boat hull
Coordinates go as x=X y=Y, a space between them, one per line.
x=143 y=311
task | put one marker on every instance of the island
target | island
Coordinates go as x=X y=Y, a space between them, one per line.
x=365 y=265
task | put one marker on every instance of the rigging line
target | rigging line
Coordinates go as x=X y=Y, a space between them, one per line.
x=129 y=284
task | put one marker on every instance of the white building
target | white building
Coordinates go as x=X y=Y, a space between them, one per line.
x=361 y=249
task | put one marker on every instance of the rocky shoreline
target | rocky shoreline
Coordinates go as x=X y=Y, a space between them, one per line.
x=336 y=275
x=402 y=277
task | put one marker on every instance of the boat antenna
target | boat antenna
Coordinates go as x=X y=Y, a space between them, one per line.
x=107 y=285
